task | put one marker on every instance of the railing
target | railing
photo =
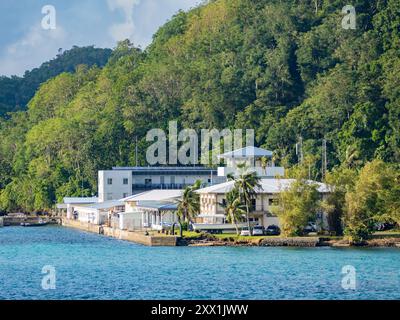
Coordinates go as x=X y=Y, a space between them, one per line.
x=150 y=186
x=267 y=172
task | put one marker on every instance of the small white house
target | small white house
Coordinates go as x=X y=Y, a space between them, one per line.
x=155 y=209
x=69 y=204
x=98 y=213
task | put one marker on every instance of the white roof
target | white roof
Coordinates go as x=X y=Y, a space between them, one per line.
x=155 y=195
x=247 y=152
x=267 y=186
x=104 y=205
x=69 y=200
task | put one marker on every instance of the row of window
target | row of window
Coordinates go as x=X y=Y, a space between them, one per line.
x=148 y=181
x=110 y=181
x=110 y=196
x=271 y=202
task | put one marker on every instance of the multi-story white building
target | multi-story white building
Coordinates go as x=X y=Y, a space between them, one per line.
x=212 y=199
x=121 y=182
x=212 y=213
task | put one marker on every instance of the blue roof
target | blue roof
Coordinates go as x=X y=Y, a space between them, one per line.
x=159 y=205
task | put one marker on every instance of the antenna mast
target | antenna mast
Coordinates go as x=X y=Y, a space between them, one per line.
x=324 y=159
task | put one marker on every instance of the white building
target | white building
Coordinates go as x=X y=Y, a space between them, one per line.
x=125 y=201
x=98 y=213
x=122 y=182
x=212 y=198
x=251 y=157
x=154 y=209
x=70 y=203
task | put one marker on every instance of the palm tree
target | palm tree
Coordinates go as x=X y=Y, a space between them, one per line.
x=234 y=209
x=246 y=183
x=352 y=157
x=189 y=204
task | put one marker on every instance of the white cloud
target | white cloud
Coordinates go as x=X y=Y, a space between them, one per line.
x=125 y=30
x=38 y=45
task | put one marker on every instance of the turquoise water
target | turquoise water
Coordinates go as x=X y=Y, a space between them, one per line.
x=89 y=266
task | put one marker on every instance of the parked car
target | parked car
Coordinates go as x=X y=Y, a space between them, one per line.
x=384 y=226
x=245 y=232
x=272 y=230
x=310 y=227
x=258 y=231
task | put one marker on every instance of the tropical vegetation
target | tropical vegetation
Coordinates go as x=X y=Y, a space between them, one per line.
x=286 y=68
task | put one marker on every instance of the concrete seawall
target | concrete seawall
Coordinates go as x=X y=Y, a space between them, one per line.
x=292 y=242
x=137 y=237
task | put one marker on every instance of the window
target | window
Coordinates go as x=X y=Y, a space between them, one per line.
x=272 y=202
x=147 y=182
x=125 y=181
x=172 y=179
x=109 y=196
x=253 y=205
x=125 y=195
x=109 y=181
x=162 y=179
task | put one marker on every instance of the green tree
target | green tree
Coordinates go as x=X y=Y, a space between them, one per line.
x=298 y=203
x=247 y=183
x=189 y=204
x=340 y=181
x=234 y=209
x=372 y=200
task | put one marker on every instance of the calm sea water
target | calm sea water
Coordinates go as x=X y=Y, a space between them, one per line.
x=89 y=266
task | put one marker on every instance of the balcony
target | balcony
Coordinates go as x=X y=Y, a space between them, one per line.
x=157 y=186
x=261 y=172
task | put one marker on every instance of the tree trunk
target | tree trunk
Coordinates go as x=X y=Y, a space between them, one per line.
x=248 y=218
x=180 y=229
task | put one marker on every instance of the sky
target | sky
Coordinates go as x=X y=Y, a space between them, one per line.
x=31 y=34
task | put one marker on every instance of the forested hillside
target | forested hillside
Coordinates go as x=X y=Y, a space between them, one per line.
x=15 y=92
x=286 y=68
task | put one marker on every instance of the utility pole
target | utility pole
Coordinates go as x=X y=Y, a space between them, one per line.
x=136 y=152
x=299 y=150
x=324 y=159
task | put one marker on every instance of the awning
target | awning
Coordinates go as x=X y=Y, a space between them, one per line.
x=211 y=216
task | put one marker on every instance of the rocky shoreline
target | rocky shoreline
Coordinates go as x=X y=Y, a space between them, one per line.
x=305 y=242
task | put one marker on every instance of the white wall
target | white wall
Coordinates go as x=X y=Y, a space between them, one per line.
x=130 y=221
x=91 y=215
x=117 y=190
